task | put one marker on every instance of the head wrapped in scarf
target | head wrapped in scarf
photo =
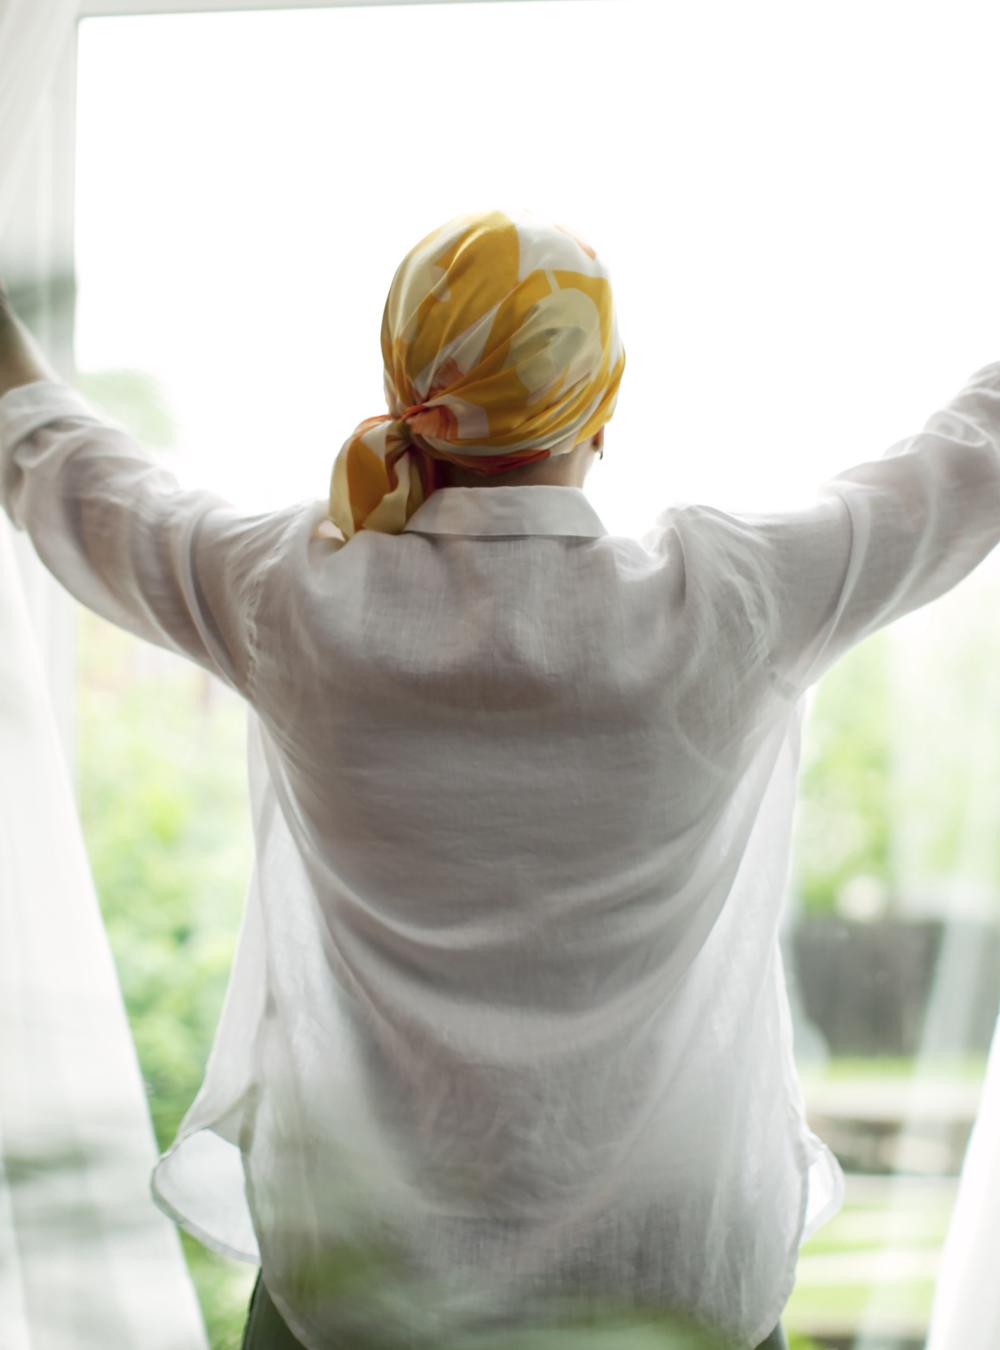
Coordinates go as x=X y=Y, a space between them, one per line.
x=500 y=346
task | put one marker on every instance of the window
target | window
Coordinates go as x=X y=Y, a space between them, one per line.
x=791 y=303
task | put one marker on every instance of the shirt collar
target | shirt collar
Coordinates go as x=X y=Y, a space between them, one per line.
x=529 y=508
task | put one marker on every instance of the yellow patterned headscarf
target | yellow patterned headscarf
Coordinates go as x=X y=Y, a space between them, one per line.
x=500 y=345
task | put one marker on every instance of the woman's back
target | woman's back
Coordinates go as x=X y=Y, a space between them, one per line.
x=537 y=781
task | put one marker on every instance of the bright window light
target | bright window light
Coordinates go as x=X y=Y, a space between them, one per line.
x=775 y=189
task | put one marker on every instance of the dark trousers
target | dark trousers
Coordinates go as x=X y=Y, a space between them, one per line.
x=265 y=1329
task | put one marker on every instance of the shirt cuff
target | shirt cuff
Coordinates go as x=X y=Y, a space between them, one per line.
x=27 y=407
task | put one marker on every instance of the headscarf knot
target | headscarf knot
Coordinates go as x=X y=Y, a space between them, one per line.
x=500 y=346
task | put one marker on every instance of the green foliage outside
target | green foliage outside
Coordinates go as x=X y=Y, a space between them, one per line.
x=968 y=1068
x=133 y=399
x=900 y=775
x=843 y=823
x=161 y=787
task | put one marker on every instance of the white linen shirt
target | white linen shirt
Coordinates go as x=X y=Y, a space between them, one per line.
x=508 y=1000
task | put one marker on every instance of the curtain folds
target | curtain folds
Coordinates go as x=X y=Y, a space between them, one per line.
x=87 y=1261
x=944 y=676
x=966 y=1312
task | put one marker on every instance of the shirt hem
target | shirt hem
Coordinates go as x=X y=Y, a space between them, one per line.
x=768 y=1323
x=804 y=1161
x=202 y=1235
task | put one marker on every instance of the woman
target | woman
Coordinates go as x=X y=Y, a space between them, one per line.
x=506 y=1038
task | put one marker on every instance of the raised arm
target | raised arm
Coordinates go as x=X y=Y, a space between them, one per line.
x=179 y=568
x=882 y=538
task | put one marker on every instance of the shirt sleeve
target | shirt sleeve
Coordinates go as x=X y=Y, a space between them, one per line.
x=180 y=568
x=881 y=539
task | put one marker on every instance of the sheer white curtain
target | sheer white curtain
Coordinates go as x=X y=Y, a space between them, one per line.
x=939 y=675
x=944 y=732
x=966 y=1313
x=86 y=1259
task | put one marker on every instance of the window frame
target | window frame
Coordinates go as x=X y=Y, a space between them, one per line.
x=93 y=9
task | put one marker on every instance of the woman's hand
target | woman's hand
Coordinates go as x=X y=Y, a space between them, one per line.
x=21 y=359
x=6 y=313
